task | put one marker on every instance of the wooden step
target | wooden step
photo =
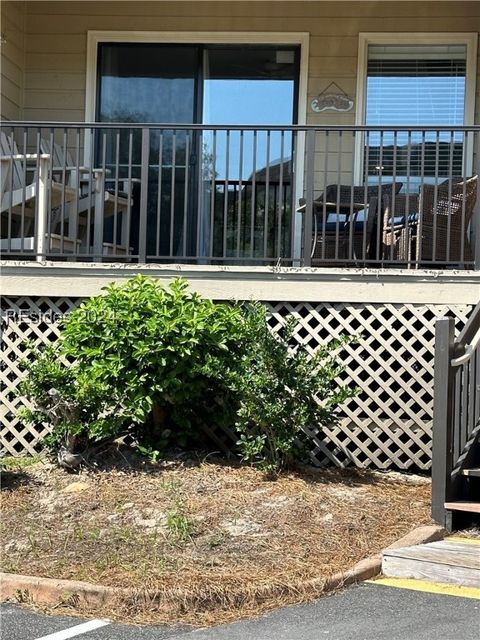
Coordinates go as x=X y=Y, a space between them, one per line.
x=447 y=561
x=464 y=505
x=471 y=472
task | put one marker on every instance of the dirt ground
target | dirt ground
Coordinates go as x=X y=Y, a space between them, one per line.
x=211 y=533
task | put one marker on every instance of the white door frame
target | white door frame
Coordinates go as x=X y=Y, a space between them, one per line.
x=301 y=39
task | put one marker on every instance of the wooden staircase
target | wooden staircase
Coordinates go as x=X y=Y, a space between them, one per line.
x=450 y=561
x=464 y=511
x=456 y=424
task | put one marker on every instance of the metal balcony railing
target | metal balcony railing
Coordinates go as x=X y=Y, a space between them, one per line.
x=240 y=195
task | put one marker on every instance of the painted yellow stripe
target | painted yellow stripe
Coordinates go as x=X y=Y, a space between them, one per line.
x=429 y=587
x=465 y=540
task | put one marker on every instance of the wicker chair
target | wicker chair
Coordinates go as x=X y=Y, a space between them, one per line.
x=399 y=222
x=432 y=226
x=347 y=238
x=339 y=231
x=344 y=193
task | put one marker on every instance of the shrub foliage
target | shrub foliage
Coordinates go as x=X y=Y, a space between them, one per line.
x=282 y=391
x=157 y=362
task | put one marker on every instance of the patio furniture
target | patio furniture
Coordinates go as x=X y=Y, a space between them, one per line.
x=53 y=240
x=345 y=222
x=92 y=191
x=352 y=196
x=432 y=226
x=16 y=188
x=345 y=234
x=24 y=199
x=400 y=218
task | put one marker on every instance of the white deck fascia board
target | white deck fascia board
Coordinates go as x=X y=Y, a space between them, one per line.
x=245 y=283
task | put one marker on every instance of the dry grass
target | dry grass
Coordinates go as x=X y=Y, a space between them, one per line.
x=215 y=541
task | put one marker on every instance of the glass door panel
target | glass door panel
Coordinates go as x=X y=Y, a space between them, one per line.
x=148 y=83
x=211 y=194
x=249 y=85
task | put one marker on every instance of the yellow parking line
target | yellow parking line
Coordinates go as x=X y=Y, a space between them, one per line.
x=429 y=587
x=462 y=539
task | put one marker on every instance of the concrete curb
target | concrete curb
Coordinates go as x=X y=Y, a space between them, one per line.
x=372 y=566
x=14 y=586
x=420 y=535
x=49 y=591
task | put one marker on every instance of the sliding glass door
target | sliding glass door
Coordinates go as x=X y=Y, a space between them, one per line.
x=210 y=193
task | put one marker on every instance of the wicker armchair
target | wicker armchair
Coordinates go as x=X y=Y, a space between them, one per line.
x=433 y=226
x=399 y=223
x=444 y=223
x=344 y=234
x=344 y=193
x=345 y=218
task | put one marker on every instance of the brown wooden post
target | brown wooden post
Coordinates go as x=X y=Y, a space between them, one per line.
x=443 y=401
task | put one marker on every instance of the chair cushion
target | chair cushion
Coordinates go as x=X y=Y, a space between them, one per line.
x=399 y=221
x=343 y=225
x=448 y=181
x=121 y=194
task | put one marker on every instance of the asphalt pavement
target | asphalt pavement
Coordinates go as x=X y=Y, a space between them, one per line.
x=364 y=612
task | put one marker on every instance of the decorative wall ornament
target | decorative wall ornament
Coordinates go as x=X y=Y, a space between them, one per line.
x=329 y=100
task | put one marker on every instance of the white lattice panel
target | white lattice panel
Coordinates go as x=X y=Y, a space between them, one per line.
x=388 y=424
x=26 y=322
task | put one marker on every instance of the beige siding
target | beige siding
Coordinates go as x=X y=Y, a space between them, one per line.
x=13 y=16
x=57 y=39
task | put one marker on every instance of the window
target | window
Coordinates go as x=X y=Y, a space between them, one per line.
x=407 y=82
x=417 y=85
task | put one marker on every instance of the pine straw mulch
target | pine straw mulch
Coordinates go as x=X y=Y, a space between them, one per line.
x=216 y=540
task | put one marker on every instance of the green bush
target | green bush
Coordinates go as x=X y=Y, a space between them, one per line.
x=151 y=357
x=76 y=405
x=158 y=362
x=281 y=391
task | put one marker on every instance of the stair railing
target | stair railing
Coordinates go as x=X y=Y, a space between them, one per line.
x=456 y=414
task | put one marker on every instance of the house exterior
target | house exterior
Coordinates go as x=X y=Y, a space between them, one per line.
x=297 y=153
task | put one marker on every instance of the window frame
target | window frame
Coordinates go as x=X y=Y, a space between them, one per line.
x=365 y=39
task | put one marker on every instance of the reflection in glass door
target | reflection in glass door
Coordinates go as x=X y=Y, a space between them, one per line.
x=216 y=194
x=249 y=204
x=149 y=83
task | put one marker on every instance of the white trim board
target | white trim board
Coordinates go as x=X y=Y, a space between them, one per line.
x=366 y=38
x=252 y=283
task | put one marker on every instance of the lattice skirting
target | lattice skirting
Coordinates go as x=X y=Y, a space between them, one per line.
x=388 y=424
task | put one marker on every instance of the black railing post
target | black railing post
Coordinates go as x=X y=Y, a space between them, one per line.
x=443 y=401
x=309 y=189
x=475 y=138
x=142 y=224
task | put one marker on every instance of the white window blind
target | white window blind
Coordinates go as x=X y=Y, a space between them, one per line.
x=416 y=85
